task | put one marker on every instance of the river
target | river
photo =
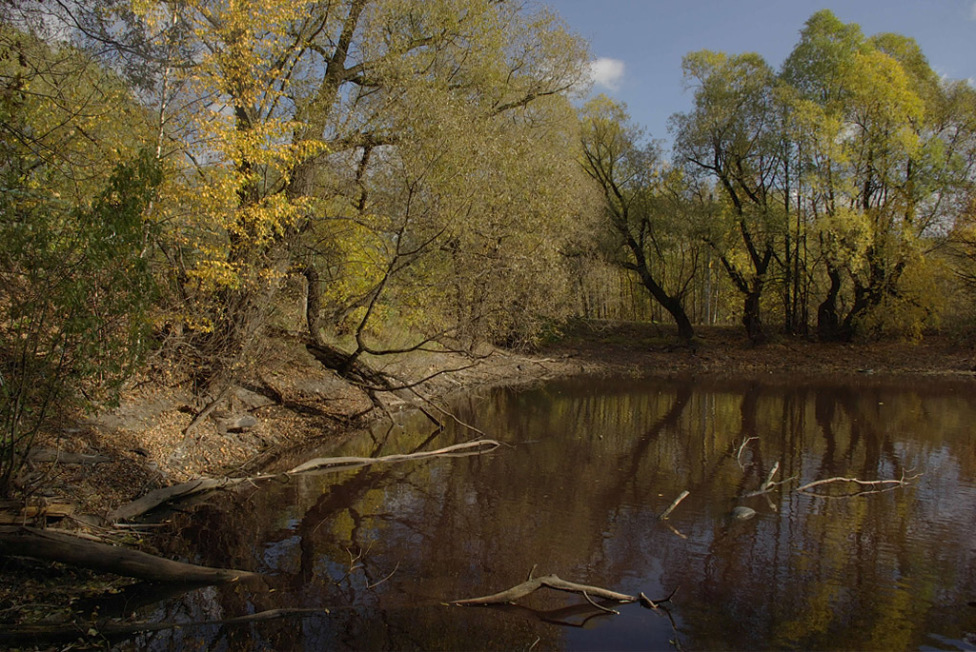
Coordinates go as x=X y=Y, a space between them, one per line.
x=586 y=469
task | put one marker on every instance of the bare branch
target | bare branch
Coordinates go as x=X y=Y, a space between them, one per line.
x=874 y=486
x=664 y=515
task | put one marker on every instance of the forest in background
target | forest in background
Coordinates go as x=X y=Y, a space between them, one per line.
x=182 y=181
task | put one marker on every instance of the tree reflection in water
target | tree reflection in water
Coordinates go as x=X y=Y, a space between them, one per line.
x=588 y=467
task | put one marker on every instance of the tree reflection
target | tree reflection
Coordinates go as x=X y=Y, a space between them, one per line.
x=578 y=489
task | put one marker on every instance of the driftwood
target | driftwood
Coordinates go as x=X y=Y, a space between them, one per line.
x=509 y=596
x=154 y=499
x=49 y=545
x=872 y=486
x=338 y=463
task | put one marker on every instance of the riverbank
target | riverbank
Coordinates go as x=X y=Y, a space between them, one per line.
x=161 y=434
x=156 y=437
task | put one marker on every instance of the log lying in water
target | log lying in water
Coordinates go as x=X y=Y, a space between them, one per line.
x=48 y=545
x=158 y=497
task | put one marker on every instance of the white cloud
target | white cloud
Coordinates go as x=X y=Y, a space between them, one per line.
x=608 y=73
x=972 y=11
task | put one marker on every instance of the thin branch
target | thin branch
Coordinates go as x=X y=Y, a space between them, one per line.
x=457 y=450
x=375 y=584
x=875 y=486
x=742 y=447
x=600 y=606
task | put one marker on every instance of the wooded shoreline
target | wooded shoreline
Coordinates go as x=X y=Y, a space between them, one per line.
x=595 y=351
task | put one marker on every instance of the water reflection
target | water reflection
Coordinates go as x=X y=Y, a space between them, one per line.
x=587 y=468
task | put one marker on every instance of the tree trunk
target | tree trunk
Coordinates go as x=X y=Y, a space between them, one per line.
x=752 y=316
x=669 y=302
x=828 y=321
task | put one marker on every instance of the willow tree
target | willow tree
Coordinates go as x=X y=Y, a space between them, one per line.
x=640 y=212
x=730 y=137
x=886 y=158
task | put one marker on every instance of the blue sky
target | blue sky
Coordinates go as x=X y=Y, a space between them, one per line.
x=638 y=44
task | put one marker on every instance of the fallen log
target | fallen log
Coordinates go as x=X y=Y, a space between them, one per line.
x=48 y=545
x=154 y=499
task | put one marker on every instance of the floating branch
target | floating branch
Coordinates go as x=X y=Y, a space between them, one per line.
x=664 y=515
x=458 y=450
x=769 y=485
x=873 y=486
x=509 y=596
x=154 y=499
x=742 y=447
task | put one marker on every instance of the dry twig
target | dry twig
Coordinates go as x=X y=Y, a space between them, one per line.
x=664 y=515
x=875 y=486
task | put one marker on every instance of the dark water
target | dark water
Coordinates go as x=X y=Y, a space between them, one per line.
x=587 y=468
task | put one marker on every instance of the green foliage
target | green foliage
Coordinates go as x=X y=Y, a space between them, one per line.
x=75 y=280
x=75 y=293
x=839 y=173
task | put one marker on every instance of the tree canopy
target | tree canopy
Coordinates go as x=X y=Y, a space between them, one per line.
x=379 y=176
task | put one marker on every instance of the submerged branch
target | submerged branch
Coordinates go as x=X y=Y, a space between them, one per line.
x=769 y=485
x=154 y=499
x=874 y=486
x=664 y=515
x=738 y=455
x=457 y=450
x=551 y=582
